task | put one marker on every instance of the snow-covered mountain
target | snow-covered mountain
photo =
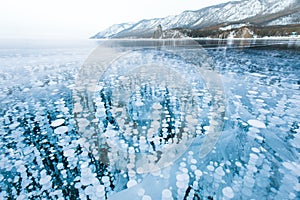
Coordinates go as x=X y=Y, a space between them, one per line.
x=261 y=12
x=112 y=30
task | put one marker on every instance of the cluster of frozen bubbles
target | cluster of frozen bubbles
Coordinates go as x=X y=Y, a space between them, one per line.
x=141 y=104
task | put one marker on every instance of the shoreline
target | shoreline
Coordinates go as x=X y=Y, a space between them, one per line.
x=201 y=38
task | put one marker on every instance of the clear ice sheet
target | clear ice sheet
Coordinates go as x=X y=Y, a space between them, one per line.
x=256 y=157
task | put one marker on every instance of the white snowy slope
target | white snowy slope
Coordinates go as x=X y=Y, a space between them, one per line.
x=227 y=12
x=288 y=19
x=112 y=30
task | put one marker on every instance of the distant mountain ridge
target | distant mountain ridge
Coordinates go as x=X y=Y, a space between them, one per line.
x=239 y=13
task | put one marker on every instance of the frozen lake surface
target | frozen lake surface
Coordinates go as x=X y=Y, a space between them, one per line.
x=43 y=154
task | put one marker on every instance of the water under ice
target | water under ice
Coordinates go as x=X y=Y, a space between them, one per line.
x=256 y=156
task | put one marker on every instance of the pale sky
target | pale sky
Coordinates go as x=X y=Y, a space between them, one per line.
x=82 y=19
